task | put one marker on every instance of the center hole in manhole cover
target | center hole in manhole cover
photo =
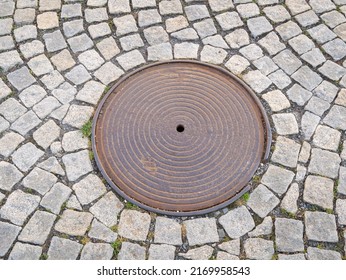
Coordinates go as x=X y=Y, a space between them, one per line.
x=180 y=128
x=221 y=136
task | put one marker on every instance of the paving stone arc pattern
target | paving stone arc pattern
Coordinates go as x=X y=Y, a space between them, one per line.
x=57 y=57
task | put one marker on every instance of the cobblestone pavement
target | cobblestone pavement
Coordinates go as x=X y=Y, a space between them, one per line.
x=58 y=57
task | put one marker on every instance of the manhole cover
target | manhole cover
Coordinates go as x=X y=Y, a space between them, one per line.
x=180 y=137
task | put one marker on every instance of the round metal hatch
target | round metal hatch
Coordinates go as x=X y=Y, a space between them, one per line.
x=180 y=137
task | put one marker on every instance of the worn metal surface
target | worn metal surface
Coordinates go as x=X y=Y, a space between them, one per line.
x=180 y=137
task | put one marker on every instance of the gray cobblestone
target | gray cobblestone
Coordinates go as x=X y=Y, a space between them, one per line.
x=232 y=247
x=324 y=163
x=320 y=227
x=285 y=123
x=259 y=249
x=289 y=202
x=336 y=117
x=186 y=50
x=99 y=30
x=89 y=189
x=342 y=180
x=19 y=206
x=160 y=52
x=167 y=231
x=80 y=43
x=314 y=57
x=155 y=35
x=185 y=34
x=119 y=6
x=161 y=252
x=280 y=79
x=6 y=43
x=131 y=42
x=170 y=7
x=322 y=254
x=321 y=33
x=265 y=65
x=200 y=253
x=39 y=180
x=201 y=231
x=108 y=48
x=215 y=41
x=54 y=41
x=25 y=123
x=46 y=106
x=259 y=26
x=108 y=73
x=257 y=81
x=287 y=61
x=54 y=199
x=97 y=251
x=6 y=25
x=96 y=15
x=265 y=228
x=26 y=156
x=131 y=59
x=309 y=123
x=237 y=222
x=10 y=59
x=131 y=251
x=340 y=210
x=37 y=229
x=320 y=6
x=134 y=225
x=91 y=92
x=297 y=6
x=101 y=232
x=11 y=109
x=238 y=38
x=21 y=78
x=46 y=134
x=25 y=33
x=52 y=165
x=73 y=222
x=196 y=12
x=278 y=179
x=252 y=52
x=289 y=235
x=205 y=28
x=220 y=5
x=213 y=55
x=148 y=17
x=326 y=138
x=3 y=124
x=307 y=78
x=277 y=13
x=262 y=201
x=77 y=164
x=107 y=209
x=8 y=234
x=72 y=28
x=176 y=23
x=63 y=249
x=71 y=11
x=229 y=20
x=22 y=251
x=9 y=176
x=276 y=100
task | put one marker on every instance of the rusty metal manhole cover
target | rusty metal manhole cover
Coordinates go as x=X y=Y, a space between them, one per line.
x=180 y=137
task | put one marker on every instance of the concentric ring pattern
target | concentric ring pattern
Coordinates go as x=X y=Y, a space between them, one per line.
x=180 y=137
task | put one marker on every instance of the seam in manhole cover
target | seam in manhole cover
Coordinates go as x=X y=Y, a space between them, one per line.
x=180 y=137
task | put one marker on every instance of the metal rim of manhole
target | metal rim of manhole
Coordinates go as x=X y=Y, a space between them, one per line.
x=180 y=137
